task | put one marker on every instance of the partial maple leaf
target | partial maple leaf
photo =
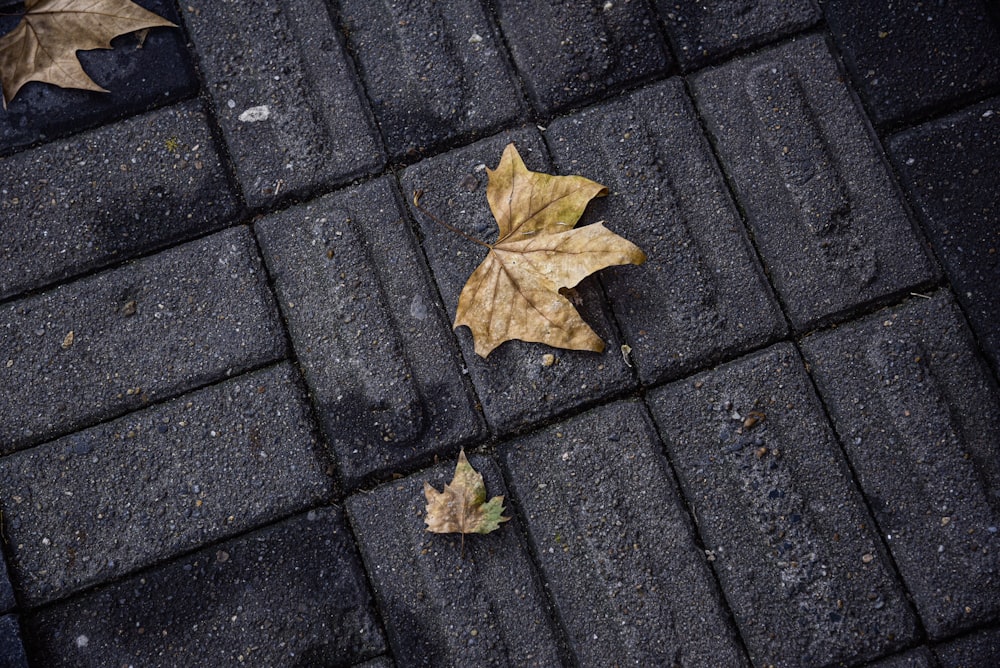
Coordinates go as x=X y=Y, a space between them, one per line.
x=43 y=46
x=515 y=292
x=462 y=506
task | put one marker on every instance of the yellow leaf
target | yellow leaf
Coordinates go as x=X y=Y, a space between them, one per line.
x=514 y=293
x=462 y=506
x=43 y=46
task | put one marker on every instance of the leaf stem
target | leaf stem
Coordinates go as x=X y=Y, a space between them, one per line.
x=417 y=194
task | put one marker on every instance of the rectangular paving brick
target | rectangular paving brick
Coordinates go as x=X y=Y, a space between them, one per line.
x=11 y=648
x=909 y=58
x=107 y=195
x=916 y=658
x=103 y=502
x=981 y=648
x=434 y=71
x=517 y=385
x=826 y=217
x=369 y=331
x=701 y=294
x=569 y=52
x=285 y=97
x=136 y=80
x=949 y=168
x=898 y=385
x=706 y=31
x=292 y=594
x=93 y=349
x=616 y=545
x=441 y=608
x=793 y=546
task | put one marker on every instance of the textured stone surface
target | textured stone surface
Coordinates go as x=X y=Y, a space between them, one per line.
x=570 y=51
x=285 y=98
x=825 y=216
x=908 y=58
x=369 y=330
x=440 y=607
x=916 y=658
x=616 y=544
x=434 y=71
x=514 y=385
x=107 y=195
x=293 y=594
x=701 y=294
x=898 y=386
x=949 y=168
x=11 y=648
x=7 y=601
x=137 y=75
x=145 y=331
x=706 y=31
x=974 y=650
x=786 y=528
x=95 y=505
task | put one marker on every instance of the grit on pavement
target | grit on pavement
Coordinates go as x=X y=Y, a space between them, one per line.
x=227 y=365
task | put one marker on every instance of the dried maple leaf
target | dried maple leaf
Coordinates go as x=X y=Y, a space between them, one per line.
x=462 y=506
x=514 y=293
x=43 y=46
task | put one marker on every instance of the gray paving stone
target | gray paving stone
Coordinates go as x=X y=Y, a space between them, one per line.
x=793 y=546
x=443 y=609
x=103 y=502
x=915 y=658
x=898 y=386
x=701 y=294
x=570 y=51
x=706 y=31
x=293 y=594
x=107 y=195
x=948 y=166
x=285 y=96
x=976 y=650
x=11 y=648
x=7 y=601
x=369 y=331
x=377 y=662
x=434 y=71
x=908 y=58
x=616 y=545
x=137 y=75
x=826 y=217
x=514 y=384
x=145 y=331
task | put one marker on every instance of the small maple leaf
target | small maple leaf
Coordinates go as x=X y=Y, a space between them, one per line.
x=515 y=292
x=462 y=506
x=43 y=46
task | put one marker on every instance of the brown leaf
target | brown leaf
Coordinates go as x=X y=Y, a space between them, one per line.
x=462 y=506
x=514 y=293
x=43 y=46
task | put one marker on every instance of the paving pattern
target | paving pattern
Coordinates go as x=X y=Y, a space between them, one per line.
x=227 y=366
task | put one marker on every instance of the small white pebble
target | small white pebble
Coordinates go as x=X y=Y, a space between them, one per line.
x=82 y=641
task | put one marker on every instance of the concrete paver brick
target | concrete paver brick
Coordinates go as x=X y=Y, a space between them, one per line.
x=11 y=648
x=776 y=508
x=706 y=31
x=825 y=215
x=369 y=331
x=909 y=58
x=616 y=545
x=285 y=97
x=137 y=76
x=898 y=385
x=92 y=349
x=701 y=294
x=434 y=71
x=915 y=658
x=107 y=195
x=972 y=651
x=440 y=608
x=291 y=594
x=103 y=502
x=569 y=52
x=517 y=384
x=948 y=166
